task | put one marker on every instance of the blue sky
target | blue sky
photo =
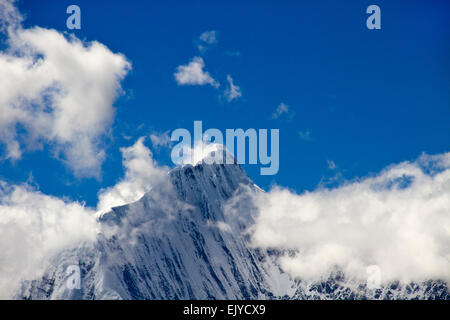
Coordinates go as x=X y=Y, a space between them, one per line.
x=361 y=98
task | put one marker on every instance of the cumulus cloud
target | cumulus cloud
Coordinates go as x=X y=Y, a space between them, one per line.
x=33 y=227
x=193 y=74
x=283 y=110
x=58 y=90
x=398 y=220
x=141 y=173
x=233 y=91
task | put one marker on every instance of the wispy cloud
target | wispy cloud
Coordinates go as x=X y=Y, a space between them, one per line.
x=160 y=139
x=194 y=74
x=10 y=17
x=207 y=39
x=283 y=111
x=233 y=91
x=331 y=165
x=305 y=135
x=233 y=53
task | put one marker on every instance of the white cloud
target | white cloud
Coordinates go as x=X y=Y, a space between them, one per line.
x=55 y=89
x=33 y=227
x=233 y=91
x=283 y=110
x=141 y=173
x=398 y=220
x=193 y=74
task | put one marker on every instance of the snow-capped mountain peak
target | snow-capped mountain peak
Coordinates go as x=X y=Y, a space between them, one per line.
x=180 y=242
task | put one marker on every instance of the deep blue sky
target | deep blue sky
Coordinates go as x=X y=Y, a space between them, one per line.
x=368 y=97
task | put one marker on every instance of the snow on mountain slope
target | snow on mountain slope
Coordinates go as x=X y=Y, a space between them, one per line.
x=187 y=239
x=174 y=243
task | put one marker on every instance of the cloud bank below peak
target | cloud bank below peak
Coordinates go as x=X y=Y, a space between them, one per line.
x=398 y=220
